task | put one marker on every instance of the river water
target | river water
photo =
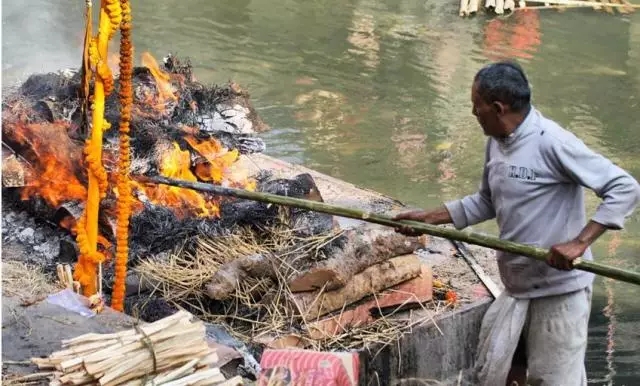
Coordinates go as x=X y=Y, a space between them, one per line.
x=376 y=92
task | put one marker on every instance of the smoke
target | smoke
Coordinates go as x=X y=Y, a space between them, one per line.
x=41 y=36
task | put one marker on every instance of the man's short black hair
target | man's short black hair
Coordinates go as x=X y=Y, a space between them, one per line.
x=504 y=82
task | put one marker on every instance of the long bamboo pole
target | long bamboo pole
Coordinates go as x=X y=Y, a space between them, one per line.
x=433 y=230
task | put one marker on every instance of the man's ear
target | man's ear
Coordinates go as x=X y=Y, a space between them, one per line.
x=499 y=107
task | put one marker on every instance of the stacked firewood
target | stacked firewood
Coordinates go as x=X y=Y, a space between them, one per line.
x=373 y=269
x=172 y=351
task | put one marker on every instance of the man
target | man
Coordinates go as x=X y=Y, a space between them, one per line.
x=533 y=180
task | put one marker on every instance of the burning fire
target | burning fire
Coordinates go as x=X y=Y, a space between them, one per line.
x=58 y=172
x=53 y=178
x=217 y=166
x=164 y=88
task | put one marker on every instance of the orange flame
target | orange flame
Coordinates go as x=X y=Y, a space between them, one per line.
x=53 y=177
x=58 y=172
x=176 y=163
x=218 y=166
x=164 y=87
x=218 y=159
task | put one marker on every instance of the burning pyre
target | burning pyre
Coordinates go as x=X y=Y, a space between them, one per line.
x=180 y=128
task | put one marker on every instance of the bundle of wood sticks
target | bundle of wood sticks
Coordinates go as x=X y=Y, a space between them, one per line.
x=172 y=352
x=65 y=276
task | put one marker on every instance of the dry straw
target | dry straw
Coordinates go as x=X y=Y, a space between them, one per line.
x=25 y=281
x=261 y=309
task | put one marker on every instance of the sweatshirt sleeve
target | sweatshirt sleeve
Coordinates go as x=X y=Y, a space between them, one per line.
x=474 y=208
x=618 y=190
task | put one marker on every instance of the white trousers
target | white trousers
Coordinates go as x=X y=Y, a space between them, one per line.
x=554 y=333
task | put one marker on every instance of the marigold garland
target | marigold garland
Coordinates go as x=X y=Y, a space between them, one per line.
x=101 y=67
x=124 y=185
x=94 y=165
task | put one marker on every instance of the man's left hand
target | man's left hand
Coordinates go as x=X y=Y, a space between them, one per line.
x=561 y=256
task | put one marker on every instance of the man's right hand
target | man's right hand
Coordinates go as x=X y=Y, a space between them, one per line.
x=435 y=217
x=413 y=215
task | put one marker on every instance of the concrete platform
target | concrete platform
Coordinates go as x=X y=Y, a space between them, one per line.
x=440 y=353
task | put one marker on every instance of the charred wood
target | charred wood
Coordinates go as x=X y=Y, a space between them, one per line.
x=260 y=215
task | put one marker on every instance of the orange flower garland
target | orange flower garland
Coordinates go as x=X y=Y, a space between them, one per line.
x=101 y=67
x=124 y=186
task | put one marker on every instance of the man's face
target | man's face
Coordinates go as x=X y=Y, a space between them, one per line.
x=486 y=113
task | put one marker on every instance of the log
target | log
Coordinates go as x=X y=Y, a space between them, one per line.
x=364 y=247
x=482 y=240
x=226 y=280
x=410 y=293
x=235 y=381
x=28 y=378
x=312 y=305
x=509 y=5
x=12 y=172
x=464 y=7
x=173 y=350
x=472 y=8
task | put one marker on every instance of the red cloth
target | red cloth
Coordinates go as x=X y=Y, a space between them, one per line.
x=308 y=368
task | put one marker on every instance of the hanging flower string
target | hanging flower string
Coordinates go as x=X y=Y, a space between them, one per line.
x=124 y=202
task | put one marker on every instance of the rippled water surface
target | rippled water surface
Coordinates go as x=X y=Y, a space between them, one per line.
x=377 y=93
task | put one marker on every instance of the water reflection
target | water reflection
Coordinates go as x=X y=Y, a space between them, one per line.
x=363 y=37
x=410 y=145
x=609 y=311
x=517 y=36
x=320 y=113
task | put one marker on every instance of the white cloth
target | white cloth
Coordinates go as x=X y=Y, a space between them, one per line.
x=554 y=329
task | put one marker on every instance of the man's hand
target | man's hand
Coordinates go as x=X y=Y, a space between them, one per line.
x=436 y=217
x=413 y=215
x=561 y=256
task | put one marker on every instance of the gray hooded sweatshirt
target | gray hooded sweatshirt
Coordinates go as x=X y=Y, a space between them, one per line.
x=533 y=185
